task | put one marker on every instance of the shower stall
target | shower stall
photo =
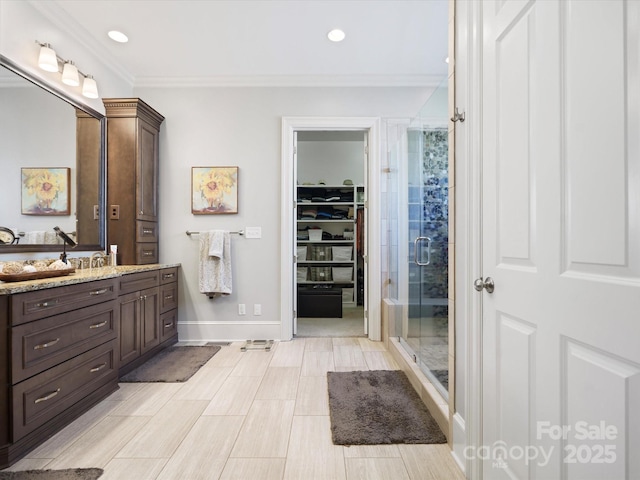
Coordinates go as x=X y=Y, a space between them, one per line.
x=419 y=191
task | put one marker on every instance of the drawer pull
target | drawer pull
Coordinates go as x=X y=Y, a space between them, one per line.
x=98 y=368
x=167 y=275
x=47 y=303
x=99 y=292
x=47 y=396
x=147 y=231
x=168 y=297
x=148 y=253
x=168 y=325
x=46 y=345
x=98 y=325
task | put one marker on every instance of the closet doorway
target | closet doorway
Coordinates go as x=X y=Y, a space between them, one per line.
x=330 y=233
x=328 y=228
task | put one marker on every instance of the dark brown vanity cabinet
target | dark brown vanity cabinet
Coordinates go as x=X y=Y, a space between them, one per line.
x=61 y=358
x=148 y=316
x=133 y=128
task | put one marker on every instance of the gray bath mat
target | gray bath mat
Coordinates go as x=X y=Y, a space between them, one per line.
x=68 y=474
x=172 y=365
x=378 y=407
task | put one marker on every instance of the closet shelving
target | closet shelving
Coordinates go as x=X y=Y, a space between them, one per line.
x=327 y=254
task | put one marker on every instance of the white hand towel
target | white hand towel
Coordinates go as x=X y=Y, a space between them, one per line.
x=214 y=270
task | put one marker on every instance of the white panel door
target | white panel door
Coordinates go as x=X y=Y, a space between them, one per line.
x=561 y=239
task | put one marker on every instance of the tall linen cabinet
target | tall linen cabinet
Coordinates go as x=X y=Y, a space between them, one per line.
x=133 y=128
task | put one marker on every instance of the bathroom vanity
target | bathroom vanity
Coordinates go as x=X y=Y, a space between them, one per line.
x=62 y=344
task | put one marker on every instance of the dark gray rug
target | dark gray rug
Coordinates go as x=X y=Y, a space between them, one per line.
x=378 y=407
x=68 y=474
x=173 y=364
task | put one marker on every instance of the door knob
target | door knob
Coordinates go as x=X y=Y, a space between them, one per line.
x=487 y=284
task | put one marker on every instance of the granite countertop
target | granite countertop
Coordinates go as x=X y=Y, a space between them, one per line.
x=79 y=276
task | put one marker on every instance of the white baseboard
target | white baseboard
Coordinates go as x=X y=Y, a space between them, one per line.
x=228 y=331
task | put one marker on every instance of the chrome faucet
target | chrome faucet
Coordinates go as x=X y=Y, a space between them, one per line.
x=97 y=260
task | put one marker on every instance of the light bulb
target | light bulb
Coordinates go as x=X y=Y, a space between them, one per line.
x=89 y=87
x=47 y=59
x=70 y=74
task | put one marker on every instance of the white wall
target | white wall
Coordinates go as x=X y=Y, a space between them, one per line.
x=241 y=127
x=331 y=157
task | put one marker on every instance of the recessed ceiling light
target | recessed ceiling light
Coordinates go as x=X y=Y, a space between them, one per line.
x=336 y=35
x=118 y=36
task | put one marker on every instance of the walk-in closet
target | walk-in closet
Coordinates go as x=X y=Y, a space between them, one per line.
x=330 y=201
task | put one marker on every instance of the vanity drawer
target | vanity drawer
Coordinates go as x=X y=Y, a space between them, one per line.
x=168 y=275
x=134 y=282
x=146 y=231
x=48 y=342
x=146 y=253
x=168 y=325
x=29 y=306
x=40 y=398
x=168 y=297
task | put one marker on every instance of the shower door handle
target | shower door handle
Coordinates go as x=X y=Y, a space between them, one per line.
x=416 y=242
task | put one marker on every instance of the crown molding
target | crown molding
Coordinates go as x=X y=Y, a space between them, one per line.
x=293 y=81
x=59 y=17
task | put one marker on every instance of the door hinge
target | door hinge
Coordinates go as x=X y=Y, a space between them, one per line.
x=366 y=314
x=295 y=149
x=295 y=259
x=366 y=204
x=294 y=314
x=295 y=204
x=366 y=150
x=365 y=258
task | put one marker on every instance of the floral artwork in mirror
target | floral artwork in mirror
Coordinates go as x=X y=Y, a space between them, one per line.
x=214 y=190
x=45 y=191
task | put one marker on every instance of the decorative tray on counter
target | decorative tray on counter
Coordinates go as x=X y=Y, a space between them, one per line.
x=20 y=277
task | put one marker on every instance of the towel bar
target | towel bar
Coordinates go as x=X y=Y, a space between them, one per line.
x=239 y=232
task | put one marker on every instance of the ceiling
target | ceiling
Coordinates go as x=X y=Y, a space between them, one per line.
x=388 y=42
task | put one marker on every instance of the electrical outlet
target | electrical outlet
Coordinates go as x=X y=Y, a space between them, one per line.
x=114 y=212
x=257 y=309
x=242 y=309
x=96 y=212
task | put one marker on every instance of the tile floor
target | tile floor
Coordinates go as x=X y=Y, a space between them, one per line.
x=243 y=415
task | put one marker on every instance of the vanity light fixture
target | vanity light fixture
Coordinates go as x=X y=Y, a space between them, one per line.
x=336 y=35
x=89 y=87
x=70 y=74
x=49 y=61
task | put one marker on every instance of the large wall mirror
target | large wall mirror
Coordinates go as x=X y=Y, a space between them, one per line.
x=53 y=166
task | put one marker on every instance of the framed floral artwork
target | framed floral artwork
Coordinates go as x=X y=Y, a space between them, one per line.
x=214 y=190
x=45 y=191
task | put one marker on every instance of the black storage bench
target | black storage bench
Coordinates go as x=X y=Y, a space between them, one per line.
x=320 y=302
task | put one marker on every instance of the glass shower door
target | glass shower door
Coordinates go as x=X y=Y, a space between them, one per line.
x=426 y=332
